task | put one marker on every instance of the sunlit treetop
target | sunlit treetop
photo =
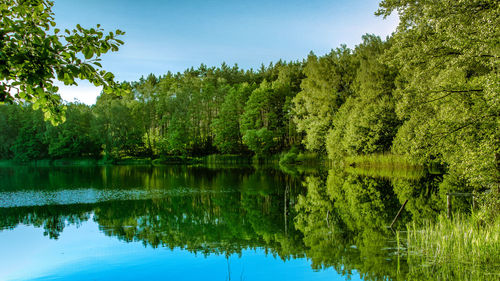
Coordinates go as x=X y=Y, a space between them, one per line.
x=34 y=53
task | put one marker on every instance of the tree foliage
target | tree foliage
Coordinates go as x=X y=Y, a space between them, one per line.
x=226 y=126
x=366 y=122
x=448 y=89
x=33 y=53
x=325 y=88
x=73 y=138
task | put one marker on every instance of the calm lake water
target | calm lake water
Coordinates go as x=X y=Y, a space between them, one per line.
x=205 y=223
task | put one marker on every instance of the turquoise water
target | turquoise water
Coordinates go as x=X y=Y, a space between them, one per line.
x=85 y=253
x=198 y=223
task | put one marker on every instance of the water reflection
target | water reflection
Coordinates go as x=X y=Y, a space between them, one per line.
x=334 y=219
x=344 y=224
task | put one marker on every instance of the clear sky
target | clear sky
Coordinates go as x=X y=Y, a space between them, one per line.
x=175 y=35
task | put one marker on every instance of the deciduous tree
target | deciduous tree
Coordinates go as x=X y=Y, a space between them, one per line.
x=34 y=53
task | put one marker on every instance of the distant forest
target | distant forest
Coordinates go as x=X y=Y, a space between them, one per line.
x=429 y=92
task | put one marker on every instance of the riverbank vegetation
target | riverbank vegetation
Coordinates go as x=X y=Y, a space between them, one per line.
x=440 y=248
x=382 y=161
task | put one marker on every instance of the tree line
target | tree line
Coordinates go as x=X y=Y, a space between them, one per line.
x=202 y=111
x=430 y=92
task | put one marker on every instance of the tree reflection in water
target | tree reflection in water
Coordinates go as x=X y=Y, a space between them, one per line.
x=333 y=218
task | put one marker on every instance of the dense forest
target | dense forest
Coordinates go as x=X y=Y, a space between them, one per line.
x=209 y=110
x=428 y=92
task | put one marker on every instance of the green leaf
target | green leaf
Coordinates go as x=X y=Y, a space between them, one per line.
x=87 y=52
x=66 y=55
x=108 y=76
x=108 y=90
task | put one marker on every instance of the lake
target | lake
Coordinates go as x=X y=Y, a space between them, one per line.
x=207 y=222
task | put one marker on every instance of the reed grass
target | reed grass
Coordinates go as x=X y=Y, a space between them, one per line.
x=226 y=159
x=294 y=156
x=388 y=172
x=461 y=241
x=380 y=160
x=309 y=157
x=451 y=272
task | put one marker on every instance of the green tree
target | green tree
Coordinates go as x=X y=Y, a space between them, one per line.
x=30 y=142
x=324 y=89
x=178 y=122
x=287 y=86
x=73 y=138
x=117 y=126
x=147 y=92
x=33 y=53
x=367 y=121
x=261 y=141
x=448 y=90
x=267 y=116
x=226 y=126
x=259 y=119
x=10 y=123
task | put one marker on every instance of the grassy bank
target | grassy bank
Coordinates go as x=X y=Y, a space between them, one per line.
x=461 y=242
x=227 y=159
x=295 y=156
x=166 y=160
x=386 y=165
x=52 y=162
x=414 y=173
x=386 y=160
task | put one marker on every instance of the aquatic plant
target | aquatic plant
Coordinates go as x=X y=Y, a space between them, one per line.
x=457 y=244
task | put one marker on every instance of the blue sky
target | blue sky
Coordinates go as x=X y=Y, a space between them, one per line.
x=175 y=35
